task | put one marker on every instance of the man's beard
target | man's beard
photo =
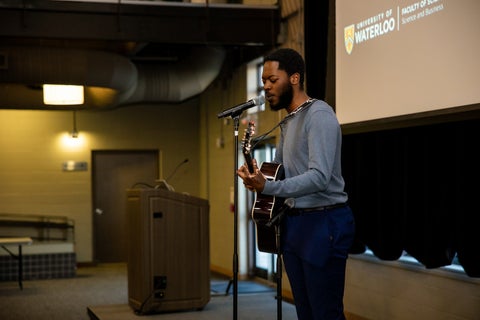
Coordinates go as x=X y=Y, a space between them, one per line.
x=284 y=99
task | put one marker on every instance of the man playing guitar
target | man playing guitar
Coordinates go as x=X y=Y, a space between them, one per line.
x=318 y=232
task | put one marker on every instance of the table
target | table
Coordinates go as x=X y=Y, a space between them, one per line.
x=4 y=242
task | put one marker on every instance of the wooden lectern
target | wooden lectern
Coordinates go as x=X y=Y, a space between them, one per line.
x=168 y=251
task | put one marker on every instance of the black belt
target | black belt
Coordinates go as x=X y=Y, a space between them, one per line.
x=299 y=211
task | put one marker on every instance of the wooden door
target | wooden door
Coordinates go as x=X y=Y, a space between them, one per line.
x=113 y=172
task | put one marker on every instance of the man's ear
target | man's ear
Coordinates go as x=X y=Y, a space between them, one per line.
x=295 y=78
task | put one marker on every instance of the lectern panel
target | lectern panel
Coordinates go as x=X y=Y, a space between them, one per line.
x=169 y=261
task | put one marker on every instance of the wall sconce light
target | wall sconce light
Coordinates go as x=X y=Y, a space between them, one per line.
x=54 y=94
x=74 y=132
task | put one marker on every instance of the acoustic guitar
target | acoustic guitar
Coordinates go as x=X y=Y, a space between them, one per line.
x=265 y=207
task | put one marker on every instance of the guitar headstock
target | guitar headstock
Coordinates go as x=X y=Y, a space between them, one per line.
x=247 y=145
x=247 y=138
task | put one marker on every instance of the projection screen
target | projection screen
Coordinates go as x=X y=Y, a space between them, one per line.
x=405 y=57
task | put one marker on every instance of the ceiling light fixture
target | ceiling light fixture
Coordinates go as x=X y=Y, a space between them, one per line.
x=55 y=94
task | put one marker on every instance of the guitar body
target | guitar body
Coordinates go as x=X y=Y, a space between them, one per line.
x=265 y=208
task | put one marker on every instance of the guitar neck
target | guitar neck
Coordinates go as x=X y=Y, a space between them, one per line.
x=247 y=147
x=249 y=161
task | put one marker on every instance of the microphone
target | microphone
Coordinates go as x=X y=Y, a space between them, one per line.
x=238 y=109
x=163 y=184
x=287 y=205
x=176 y=168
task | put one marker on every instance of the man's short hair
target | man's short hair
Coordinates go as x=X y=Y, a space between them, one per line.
x=290 y=61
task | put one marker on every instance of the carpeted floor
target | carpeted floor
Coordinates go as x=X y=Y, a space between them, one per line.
x=102 y=292
x=250 y=307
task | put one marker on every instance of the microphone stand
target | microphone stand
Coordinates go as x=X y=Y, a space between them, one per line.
x=276 y=222
x=235 y=113
x=236 y=121
x=279 y=273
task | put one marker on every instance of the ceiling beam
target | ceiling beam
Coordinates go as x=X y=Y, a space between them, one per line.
x=158 y=22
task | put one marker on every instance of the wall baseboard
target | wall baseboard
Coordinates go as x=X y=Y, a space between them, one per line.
x=352 y=316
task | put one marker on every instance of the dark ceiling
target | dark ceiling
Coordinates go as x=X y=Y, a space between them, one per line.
x=146 y=32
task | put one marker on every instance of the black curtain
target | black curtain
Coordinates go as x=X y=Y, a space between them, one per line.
x=412 y=189
x=415 y=189
x=316 y=28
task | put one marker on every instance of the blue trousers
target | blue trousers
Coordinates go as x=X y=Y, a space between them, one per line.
x=317 y=291
x=315 y=250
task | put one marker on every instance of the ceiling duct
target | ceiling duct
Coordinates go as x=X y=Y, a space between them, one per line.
x=178 y=81
x=38 y=65
x=110 y=79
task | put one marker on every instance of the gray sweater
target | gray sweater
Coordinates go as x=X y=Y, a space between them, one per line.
x=310 y=151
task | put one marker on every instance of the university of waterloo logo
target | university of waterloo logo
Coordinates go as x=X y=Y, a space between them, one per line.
x=349 y=37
